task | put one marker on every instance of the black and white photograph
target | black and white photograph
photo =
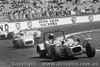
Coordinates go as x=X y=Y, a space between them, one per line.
x=49 y=33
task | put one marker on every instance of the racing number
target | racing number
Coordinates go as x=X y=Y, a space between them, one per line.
x=29 y=24
x=18 y=26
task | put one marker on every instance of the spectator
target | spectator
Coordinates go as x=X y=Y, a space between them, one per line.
x=65 y=12
x=26 y=9
x=32 y=13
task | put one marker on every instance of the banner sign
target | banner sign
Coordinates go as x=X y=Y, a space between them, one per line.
x=5 y=26
x=18 y=26
x=90 y=17
x=29 y=24
x=51 y=22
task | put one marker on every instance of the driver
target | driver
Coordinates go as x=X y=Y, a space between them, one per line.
x=52 y=40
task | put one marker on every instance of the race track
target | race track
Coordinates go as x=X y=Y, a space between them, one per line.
x=27 y=57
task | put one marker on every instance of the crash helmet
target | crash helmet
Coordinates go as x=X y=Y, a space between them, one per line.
x=51 y=36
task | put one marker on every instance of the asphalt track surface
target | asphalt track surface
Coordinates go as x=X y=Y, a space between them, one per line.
x=27 y=57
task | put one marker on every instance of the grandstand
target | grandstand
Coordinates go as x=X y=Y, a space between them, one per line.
x=14 y=10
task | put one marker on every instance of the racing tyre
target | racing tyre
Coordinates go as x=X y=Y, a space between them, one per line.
x=90 y=50
x=22 y=45
x=17 y=44
x=85 y=41
x=42 y=53
x=66 y=51
x=10 y=35
x=14 y=43
x=2 y=37
x=55 y=53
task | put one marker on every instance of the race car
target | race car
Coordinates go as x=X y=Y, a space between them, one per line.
x=62 y=47
x=6 y=35
x=25 y=38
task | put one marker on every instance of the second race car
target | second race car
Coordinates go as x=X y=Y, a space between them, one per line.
x=25 y=38
x=6 y=35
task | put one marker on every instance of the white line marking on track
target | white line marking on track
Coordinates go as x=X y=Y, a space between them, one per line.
x=97 y=49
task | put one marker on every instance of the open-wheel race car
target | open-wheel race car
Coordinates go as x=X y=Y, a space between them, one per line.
x=25 y=38
x=6 y=35
x=61 y=47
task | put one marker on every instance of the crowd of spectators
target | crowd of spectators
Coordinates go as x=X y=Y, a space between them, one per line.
x=30 y=9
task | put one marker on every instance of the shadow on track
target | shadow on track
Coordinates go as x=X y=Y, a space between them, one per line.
x=48 y=59
x=13 y=48
x=68 y=59
x=37 y=57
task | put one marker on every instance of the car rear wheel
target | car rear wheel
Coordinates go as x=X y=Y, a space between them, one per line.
x=10 y=35
x=90 y=50
x=42 y=53
x=55 y=53
x=2 y=37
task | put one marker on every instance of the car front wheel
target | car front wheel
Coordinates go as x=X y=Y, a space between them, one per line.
x=42 y=53
x=90 y=50
x=55 y=53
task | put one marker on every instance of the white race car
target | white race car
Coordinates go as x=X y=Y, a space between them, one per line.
x=6 y=35
x=25 y=38
x=62 y=47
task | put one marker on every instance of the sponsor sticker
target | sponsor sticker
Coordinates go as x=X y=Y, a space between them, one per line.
x=90 y=17
x=29 y=24
x=18 y=26
x=73 y=19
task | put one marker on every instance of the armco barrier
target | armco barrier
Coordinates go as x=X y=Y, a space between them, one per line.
x=48 y=22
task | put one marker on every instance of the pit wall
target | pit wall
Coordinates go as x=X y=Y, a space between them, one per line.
x=7 y=26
